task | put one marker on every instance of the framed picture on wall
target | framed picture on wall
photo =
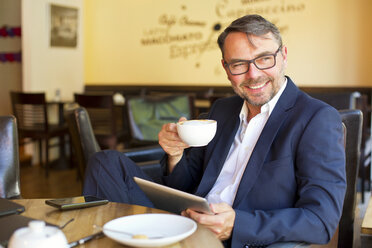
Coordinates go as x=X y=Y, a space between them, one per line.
x=63 y=26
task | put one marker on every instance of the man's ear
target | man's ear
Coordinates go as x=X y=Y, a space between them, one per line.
x=284 y=54
x=226 y=69
x=223 y=63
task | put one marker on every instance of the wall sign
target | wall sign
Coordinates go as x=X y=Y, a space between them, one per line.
x=189 y=37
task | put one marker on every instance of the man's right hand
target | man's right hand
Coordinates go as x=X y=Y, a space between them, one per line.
x=172 y=143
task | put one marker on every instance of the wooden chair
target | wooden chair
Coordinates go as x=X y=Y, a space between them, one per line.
x=106 y=119
x=9 y=158
x=31 y=112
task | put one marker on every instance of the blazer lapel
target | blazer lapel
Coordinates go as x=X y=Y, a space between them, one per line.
x=264 y=142
x=217 y=151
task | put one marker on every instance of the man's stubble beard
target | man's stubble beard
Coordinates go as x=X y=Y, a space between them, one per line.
x=239 y=90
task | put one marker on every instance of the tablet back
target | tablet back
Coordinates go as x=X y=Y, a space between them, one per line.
x=172 y=200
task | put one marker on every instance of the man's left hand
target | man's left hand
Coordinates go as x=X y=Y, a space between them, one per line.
x=221 y=223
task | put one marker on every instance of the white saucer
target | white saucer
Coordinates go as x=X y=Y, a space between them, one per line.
x=171 y=228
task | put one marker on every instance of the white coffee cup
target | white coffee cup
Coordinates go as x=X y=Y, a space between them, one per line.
x=197 y=132
x=38 y=235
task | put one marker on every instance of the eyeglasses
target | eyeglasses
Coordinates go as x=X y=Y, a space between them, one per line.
x=263 y=62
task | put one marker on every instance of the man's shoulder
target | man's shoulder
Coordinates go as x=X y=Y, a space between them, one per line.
x=307 y=109
x=304 y=99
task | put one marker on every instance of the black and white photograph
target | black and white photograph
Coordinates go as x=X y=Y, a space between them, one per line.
x=63 y=26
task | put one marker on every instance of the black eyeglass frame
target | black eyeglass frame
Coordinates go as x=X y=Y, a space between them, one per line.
x=253 y=62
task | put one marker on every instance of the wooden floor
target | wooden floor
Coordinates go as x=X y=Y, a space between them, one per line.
x=64 y=183
x=59 y=183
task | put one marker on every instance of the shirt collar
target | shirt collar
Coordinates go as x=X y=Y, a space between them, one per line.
x=267 y=107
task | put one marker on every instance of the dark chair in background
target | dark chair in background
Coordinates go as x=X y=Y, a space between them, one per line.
x=338 y=100
x=83 y=140
x=9 y=158
x=106 y=119
x=85 y=144
x=31 y=112
x=147 y=114
x=352 y=119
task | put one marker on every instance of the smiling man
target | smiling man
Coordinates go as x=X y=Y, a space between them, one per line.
x=275 y=171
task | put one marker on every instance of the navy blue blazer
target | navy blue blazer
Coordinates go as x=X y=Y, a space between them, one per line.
x=294 y=184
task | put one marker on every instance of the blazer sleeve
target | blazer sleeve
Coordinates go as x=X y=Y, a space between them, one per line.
x=319 y=163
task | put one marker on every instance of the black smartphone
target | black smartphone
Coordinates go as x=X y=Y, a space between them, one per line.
x=76 y=202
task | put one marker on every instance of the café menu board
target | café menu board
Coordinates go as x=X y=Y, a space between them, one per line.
x=191 y=36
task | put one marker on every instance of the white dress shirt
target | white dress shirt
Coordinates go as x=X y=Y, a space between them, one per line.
x=226 y=186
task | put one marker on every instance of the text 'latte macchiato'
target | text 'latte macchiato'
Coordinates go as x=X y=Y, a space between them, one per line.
x=197 y=132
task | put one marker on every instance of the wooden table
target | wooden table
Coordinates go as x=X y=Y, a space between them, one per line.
x=366 y=229
x=82 y=226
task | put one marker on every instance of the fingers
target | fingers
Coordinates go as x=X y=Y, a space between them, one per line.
x=182 y=119
x=170 y=141
x=220 y=207
x=221 y=224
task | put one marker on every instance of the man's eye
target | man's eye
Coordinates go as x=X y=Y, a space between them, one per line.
x=264 y=59
x=238 y=64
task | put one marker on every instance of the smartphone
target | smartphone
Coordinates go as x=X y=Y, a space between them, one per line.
x=76 y=202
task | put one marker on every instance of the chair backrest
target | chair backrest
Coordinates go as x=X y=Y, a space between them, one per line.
x=9 y=158
x=82 y=137
x=105 y=120
x=30 y=110
x=338 y=100
x=147 y=114
x=84 y=144
x=352 y=119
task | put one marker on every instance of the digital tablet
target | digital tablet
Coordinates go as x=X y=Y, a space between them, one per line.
x=170 y=199
x=8 y=207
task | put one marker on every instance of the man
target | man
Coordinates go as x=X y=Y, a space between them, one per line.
x=275 y=170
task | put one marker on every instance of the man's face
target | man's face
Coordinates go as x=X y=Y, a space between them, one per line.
x=256 y=86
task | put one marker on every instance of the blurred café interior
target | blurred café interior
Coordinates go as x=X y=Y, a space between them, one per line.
x=134 y=65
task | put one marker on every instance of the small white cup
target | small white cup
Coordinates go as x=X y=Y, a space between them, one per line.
x=38 y=235
x=197 y=132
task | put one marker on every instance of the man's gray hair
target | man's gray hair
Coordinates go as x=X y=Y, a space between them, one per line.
x=251 y=25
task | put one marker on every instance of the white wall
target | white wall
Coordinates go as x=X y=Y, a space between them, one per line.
x=329 y=42
x=47 y=68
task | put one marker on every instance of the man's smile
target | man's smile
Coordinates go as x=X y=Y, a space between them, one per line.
x=255 y=86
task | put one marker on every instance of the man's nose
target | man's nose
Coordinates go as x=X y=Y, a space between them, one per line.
x=253 y=71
